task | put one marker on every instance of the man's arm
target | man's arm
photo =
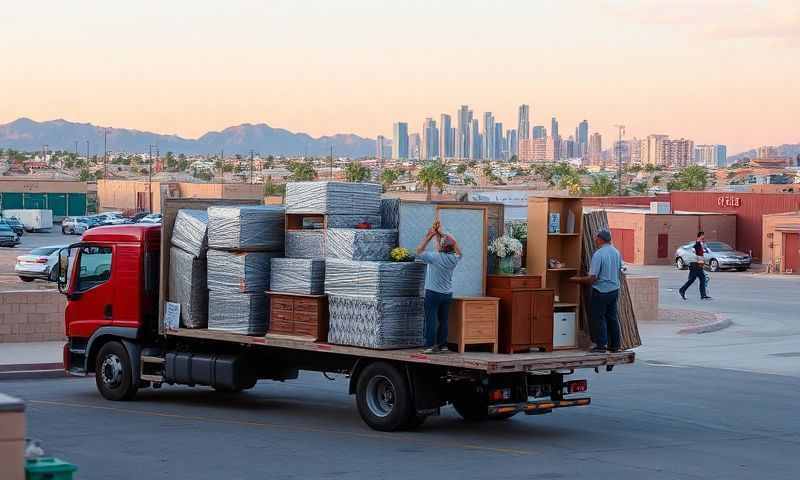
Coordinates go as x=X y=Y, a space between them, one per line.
x=594 y=271
x=424 y=243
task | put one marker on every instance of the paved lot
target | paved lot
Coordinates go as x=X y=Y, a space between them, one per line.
x=645 y=422
x=29 y=241
x=765 y=336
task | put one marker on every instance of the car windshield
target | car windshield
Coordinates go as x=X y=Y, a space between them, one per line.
x=719 y=247
x=43 y=251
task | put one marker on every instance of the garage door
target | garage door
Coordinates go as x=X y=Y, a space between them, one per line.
x=76 y=204
x=623 y=240
x=57 y=202
x=12 y=201
x=791 y=252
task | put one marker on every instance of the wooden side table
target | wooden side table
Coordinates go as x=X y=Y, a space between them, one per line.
x=473 y=321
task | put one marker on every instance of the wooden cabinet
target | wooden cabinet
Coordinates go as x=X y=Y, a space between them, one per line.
x=298 y=315
x=473 y=321
x=526 y=313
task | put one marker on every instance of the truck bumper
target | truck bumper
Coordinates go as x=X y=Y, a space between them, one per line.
x=537 y=406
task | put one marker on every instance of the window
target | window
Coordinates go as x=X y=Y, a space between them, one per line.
x=95 y=267
x=43 y=251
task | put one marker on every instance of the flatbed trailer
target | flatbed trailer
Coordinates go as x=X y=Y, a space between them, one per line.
x=116 y=329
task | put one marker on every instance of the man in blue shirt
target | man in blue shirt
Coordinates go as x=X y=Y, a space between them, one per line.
x=604 y=279
x=438 y=285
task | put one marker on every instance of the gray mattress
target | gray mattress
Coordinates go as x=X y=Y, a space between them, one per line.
x=297 y=275
x=374 y=279
x=190 y=232
x=390 y=213
x=376 y=323
x=239 y=272
x=351 y=221
x=244 y=313
x=247 y=227
x=187 y=286
x=356 y=244
x=333 y=198
x=305 y=243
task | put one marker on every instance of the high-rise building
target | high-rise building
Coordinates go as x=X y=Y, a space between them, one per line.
x=721 y=155
x=430 y=140
x=551 y=145
x=400 y=141
x=582 y=138
x=678 y=153
x=539 y=131
x=513 y=142
x=652 y=150
x=445 y=142
x=380 y=145
x=523 y=123
x=635 y=149
x=414 y=146
x=568 y=148
x=498 y=141
x=622 y=148
x=595 y=152
x=488 y=136
x=463 y=142
x=477 y=141
x=556 y=138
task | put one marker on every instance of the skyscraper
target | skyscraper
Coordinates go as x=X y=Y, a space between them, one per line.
x=445 y=142
x=678 y=153
x=414 y=146
x=556 y=138
x=539 y=131
x=430 y=140
x=488 y=136
x=523 y=123
x=721 y=154
x=582 y=138
x=400 y=141
x=498 y=141
x=379 y=146
x=652 y=150
x=513 y=143
x=596 y=149
x=463 y=136
x=475 y=138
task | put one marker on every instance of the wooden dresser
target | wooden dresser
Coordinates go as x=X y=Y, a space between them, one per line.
x=298 y=315
x=526 y=312
x=473 y=321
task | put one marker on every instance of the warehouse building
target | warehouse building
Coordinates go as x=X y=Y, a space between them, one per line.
x=781 y=242
x=139 y=196
x=64 y=198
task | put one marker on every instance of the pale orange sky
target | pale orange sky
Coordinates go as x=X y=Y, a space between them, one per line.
x=715 y=71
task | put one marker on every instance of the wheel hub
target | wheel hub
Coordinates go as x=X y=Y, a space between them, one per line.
x=380 y=396
x=111 y=370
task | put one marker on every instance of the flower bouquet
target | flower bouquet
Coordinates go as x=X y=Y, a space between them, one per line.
x=506 y=248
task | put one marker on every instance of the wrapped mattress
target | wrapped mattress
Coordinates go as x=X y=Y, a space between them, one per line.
x=333 y=198
x=239 y=272
x=352 y=221
x=246 y=227
x=374 y=279
x=244 y=313
x=385 y=323
x=187 y=286
x=305 y=243
x=297 y=275
x=190 y=232
x=356 y=244
x=390 y=213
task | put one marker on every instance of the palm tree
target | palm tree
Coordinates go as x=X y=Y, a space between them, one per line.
x=639 y=188
x=388 y=177
x=602 y=186
x=356 y=173
x=432 y=174
x=302 y=171
x=693 y=177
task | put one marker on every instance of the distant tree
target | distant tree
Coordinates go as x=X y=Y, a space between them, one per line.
x=269 y=162
x=487 y=170
x=469 y=181
x=602 y=186
x=693 y=177
x=461 y=168
x=270 y=189
x=85 y=175
x=650 y=168
x=432 y=175
x=639 y=188
x=302 y=171
x=388 y=177
x=170 y=162
x=183 y=163
x=634 y=168
x=356 y=172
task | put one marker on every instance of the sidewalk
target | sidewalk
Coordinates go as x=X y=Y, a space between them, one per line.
x=31 y=360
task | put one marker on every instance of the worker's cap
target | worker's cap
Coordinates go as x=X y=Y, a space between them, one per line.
x=447 y=241
x=604 y=235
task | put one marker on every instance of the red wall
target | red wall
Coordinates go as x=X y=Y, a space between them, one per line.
x=748 y=208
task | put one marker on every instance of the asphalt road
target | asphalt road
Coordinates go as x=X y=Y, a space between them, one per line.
x=645 y=422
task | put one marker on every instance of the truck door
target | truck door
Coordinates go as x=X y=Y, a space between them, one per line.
x=90 y=295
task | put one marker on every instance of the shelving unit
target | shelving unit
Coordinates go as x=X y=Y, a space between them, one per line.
x=564 y=244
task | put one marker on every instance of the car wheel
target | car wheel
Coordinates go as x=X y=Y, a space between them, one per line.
x=713 y=265
x=26 y=279
x=680 y=264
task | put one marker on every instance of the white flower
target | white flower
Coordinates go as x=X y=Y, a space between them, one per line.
x=505 y=246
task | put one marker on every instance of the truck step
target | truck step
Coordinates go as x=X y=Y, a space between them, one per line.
x=155 y=360
x=152 y=378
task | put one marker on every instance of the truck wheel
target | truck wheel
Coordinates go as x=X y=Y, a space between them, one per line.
x=384 y=398
x=472 y=404
x=113 y=373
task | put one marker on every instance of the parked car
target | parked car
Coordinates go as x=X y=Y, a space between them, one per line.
x=152 y=218
x=41 y=262
x=111 y=218
x=74 y=225
x=718 y=256
x=7 y=236
x=15 y=225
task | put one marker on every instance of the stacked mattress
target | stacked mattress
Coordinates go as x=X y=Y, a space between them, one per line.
x=356 y=244
x=239 y=272
x=187 y=267
x=333 y=198
x=246 y=228
x=298 y=275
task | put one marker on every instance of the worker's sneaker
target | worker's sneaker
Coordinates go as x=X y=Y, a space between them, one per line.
x=431 y=350
x=705 y=298
x=444 y=349
x=683 y=295
x=599 y=350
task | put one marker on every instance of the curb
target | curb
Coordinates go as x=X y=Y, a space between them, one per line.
x=720 y=323
x=32 y=370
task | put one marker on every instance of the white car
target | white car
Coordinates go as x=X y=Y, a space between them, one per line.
x=39 y=263
x=152 y=218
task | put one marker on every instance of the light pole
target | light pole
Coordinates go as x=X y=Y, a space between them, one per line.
x=621 y=129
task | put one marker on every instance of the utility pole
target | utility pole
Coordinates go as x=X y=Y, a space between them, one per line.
x=621 y=129
x=222 y=166
x=330 y=165
x=150 y=179
x=251 y=166
x=105 y=153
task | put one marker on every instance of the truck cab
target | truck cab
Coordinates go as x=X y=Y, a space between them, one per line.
x=110 y=279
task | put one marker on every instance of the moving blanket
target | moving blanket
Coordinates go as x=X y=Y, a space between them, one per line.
x=244 y=313
x=305 y=243
x=239 y=272
x=390 y=213
x=246 y=227
x=355 y=244
x=297 y=275
x=187 y=286
x=376 y=323
x=333 y=198
x=351 y=221
x=190 y=232
x=374 y=279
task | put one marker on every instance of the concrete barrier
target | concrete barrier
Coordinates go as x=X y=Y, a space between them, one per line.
x=644 y=297
x=31 y=316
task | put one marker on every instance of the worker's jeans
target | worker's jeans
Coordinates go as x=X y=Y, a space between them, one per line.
x=696 y=273
x=437 y=308
x=605 y=325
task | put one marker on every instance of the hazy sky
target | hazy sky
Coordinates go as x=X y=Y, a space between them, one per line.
x=715 y=71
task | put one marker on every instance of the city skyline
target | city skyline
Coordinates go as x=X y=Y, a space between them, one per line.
x=243 y=62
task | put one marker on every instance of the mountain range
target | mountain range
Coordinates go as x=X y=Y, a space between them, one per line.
x=29 y=135
x=791 y=150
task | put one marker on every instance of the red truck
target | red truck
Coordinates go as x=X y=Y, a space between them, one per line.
x=115 y=280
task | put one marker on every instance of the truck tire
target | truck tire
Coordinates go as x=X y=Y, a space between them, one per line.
x=113 y=373
x=384 y=398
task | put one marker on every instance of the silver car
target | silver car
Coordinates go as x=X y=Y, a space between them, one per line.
x=74 y=225
x=39 y=263
x=718 y=256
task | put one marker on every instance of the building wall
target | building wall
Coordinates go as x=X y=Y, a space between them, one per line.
x=775 y=188
x=32 y=316
x=772 y=241
x=632 y=221
x=42 y=186
x=121 y=195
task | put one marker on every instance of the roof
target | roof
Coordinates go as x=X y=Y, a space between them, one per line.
x=119 y=233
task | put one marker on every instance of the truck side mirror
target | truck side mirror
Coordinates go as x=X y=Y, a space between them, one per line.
x=63 y=269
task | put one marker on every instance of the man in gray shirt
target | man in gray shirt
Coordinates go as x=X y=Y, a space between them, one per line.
x=438 y=285
x=604 y=278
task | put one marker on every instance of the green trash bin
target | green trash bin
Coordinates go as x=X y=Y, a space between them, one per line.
x=48 y=468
